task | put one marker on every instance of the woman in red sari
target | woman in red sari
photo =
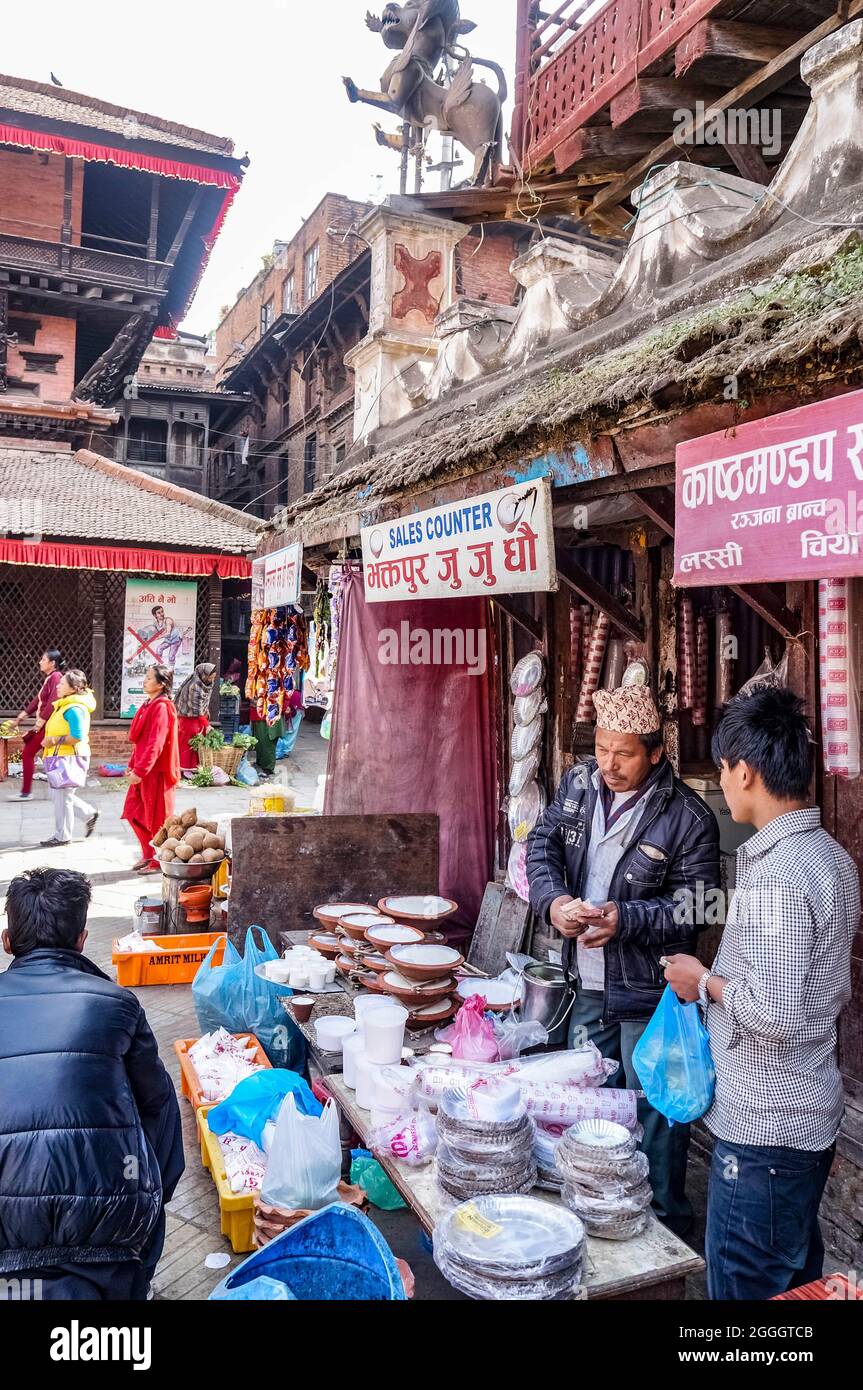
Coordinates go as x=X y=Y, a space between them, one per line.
x=154 y=770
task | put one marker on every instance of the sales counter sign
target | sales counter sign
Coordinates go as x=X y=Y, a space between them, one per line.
x=499 y=543
x=777 y=499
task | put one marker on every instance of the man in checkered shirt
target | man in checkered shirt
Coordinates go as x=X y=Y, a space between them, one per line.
x=773 y=997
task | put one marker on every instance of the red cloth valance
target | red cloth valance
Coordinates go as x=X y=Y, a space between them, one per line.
x=60 y=555
x=108 y=154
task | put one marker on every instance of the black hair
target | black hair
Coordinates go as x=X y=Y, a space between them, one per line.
x=652 y=741
x=55 y=656
x=46 y=909
x=164 y=675
x=769 y=732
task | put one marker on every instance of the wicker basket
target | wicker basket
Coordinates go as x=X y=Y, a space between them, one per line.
x=228 y=759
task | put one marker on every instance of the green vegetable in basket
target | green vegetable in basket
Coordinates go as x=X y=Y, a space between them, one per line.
x=203 y=777
x=244 y=741
x=213 y=739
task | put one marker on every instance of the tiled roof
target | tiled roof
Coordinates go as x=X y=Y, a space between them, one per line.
x=92 y=498
x=74 y=108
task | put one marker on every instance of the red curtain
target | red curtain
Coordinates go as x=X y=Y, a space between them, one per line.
x=418 y=738
x=59 y=555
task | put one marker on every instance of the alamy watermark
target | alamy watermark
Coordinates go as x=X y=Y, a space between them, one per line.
x=761 y=128
x=420 y=646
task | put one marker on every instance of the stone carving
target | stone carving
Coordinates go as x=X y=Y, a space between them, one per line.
x=424 y=33
x=418 y=276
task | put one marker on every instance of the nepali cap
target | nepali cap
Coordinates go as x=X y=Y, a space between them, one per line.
x=629 y=710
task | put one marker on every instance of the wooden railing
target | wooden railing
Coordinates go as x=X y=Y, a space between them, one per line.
x=82 y=263
x=571 y=59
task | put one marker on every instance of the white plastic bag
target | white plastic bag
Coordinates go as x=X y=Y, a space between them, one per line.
x=305 y=1159
x=412 y=1138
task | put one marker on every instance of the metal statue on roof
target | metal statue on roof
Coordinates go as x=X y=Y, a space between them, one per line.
x=420 y=86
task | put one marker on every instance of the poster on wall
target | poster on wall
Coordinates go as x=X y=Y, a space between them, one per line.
x=159 y=629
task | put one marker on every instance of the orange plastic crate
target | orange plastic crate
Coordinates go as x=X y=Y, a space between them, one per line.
x=189 y=1077
x=176 y=964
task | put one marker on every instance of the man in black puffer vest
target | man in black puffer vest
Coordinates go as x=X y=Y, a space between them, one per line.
x=90 y=1139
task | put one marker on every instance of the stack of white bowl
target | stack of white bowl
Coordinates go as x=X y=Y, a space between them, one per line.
x=374 y=1048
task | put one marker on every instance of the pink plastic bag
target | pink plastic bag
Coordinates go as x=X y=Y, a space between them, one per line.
x=472 y=1034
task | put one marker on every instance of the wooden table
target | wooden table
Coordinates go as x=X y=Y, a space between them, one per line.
x=653 y=1265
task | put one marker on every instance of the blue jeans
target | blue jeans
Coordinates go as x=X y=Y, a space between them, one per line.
x=666 y=1146
x=763 y=1236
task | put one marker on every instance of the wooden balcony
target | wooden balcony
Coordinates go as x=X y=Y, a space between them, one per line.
x=597 y=86
x=88 y=266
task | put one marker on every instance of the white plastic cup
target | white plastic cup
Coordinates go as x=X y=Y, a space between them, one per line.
x=365 y=1002
x=330 y=969
x=299 y=977
x=366 y=1069
x=385 y=1034
x=317 y=977
x=353 y=1048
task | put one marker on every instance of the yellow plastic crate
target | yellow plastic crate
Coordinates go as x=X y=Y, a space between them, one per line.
x=237 y=1209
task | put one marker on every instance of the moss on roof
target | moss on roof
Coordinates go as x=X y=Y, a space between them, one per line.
x=790 y=329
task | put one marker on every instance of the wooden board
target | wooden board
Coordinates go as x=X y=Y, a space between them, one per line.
x=644 y=1267
x=502 y=927
x=285 y=866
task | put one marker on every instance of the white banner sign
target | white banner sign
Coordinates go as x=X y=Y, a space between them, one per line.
x=282 y=576
x=499 y=543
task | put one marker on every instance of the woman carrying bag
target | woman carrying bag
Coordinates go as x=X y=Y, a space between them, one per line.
x=154 y=770
x=66 y=756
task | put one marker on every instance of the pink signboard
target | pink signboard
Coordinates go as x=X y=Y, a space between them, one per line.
x=777 y=499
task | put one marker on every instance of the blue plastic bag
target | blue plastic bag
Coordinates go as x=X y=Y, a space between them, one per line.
x=240 y=1001
x=246 y=775
x=673 y=1063
x=210 y=985
x=258 y=1099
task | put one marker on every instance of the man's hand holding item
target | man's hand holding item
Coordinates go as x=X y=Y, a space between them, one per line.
x=602 y=923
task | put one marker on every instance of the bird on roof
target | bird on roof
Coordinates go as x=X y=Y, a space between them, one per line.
x=56 y=80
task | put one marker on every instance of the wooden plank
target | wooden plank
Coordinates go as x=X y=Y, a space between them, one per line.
x=612 y=1268
x=285 y=866
x=502 y=927
x=657 y=96
x=508 y=604
x=759 y=84
x=763 y=601
x=749 y=163
x=658 y=505
x=587 y=587
x=745 y=43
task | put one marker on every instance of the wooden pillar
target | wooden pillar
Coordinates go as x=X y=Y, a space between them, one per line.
x=153 y=235
x=66 y=228
x=560 y=697
x=4 y=330
x=214 y=639
x=97 y=649
x=667 y=674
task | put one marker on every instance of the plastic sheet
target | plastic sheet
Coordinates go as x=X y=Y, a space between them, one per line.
x=619 y=1226
x=514 y=1037
x=597 y=1146
x=475 y=1137
x=627 y=1175
x=511 y=1247
x=411 y=1138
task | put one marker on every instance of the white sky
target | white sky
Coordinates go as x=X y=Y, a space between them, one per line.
x=267 y=73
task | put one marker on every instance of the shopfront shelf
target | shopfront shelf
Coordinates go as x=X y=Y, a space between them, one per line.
x=237 y=1209
x=176 y=964
x=188 y=1075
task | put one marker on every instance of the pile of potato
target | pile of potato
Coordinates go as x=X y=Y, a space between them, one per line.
x=194 y=842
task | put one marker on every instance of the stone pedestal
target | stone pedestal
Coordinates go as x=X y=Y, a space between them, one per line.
x=412 y=282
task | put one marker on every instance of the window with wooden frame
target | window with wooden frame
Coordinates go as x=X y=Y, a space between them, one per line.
x=311 y=266
x=310 y=463
x=268 y=315
x=288 y=305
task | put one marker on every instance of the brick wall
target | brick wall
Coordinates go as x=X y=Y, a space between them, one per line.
x=242 y=323
x=51 y=336
x=483 y=264
x=32 y=195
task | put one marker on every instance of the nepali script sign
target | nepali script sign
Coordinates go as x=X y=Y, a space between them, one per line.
x=281 y=573
x=499 y=543
x=779 y=499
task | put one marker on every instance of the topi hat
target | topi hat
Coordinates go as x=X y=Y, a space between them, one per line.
x=629 y=710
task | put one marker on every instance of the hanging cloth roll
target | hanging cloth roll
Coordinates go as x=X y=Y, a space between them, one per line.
x=686 y=654
x=585 y=713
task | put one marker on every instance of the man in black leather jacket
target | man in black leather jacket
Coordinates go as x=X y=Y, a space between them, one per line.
x=610 y=866
x=91 y=1146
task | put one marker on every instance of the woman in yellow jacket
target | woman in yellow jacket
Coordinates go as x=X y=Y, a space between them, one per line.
x=66 y=756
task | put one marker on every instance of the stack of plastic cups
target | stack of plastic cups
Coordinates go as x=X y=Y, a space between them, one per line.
x=381 y=1025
